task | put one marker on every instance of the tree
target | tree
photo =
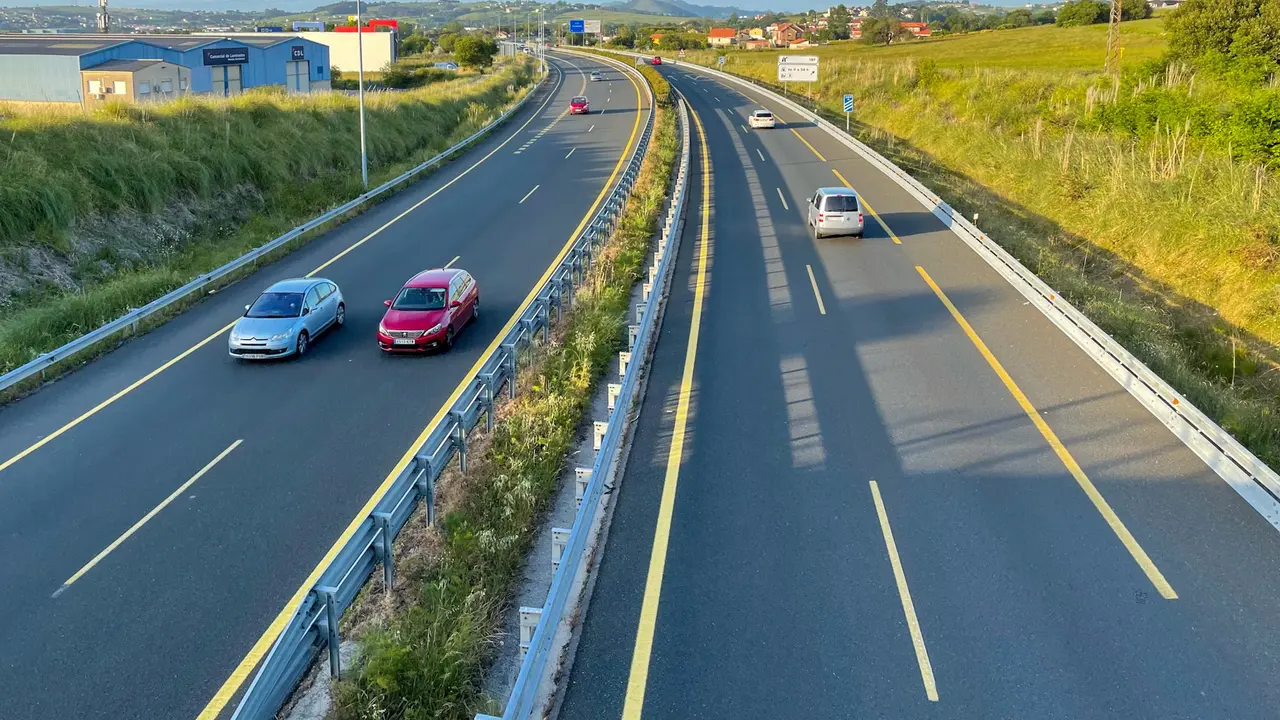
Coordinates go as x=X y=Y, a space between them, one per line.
x=415 y=44
x=447 y=42
x=453 y=26
x=475 y=51
x=880 y=10
x=1134 y=10
x=881 y=31
x=838 y=22
x=1230 y=30
x=1082 y=12
x=1043 y=17
x=1020 y=18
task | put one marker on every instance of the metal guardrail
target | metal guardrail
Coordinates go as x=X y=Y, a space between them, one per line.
x=313 y=626
x=1251 y=478
x=537 y=663
x=131 y=319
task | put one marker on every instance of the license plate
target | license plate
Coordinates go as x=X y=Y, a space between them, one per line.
x=253 y=356
x=404 y=341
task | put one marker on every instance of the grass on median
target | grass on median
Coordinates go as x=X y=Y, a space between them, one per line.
x=1163 y=233
x=105 y=212
x=428 y=659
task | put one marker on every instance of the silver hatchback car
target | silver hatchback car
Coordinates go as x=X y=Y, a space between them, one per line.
x=835 y=211
x=286 y=318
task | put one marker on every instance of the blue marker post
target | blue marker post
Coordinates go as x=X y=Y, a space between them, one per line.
x=848 y=108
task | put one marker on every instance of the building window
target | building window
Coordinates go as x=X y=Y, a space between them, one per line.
x=166 y=86
x=144 y=88
x=182 y=84
x=121 y=87
x=95 y=87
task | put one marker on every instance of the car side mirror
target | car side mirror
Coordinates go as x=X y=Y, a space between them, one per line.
x=456 y=303
x=306 y=312
x=387 y=303
x=246 y=308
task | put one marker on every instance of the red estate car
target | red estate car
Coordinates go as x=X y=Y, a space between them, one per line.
x=429 y=310
x=657 y=60
x=579 y=106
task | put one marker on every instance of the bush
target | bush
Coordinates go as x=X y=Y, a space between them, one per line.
x=475 y=51
x=1228 y=35
x=1081 y=12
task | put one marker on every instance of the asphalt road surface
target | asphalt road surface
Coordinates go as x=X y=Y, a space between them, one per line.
x=900 y=491
x=155 y=627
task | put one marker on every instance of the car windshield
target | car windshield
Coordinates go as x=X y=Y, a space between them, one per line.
x=276 y=305
x=420 y=299
x=841 y=203
x=579 y=101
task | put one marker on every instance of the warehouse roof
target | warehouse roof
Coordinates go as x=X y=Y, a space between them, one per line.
x=55 y=44
x=124 y=65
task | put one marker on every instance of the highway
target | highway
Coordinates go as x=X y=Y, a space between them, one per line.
x=870 y=481
x=162 y=504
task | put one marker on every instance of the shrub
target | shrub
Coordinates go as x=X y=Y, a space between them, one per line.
x=1081 y=12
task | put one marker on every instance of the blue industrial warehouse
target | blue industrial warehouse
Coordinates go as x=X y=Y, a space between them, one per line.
x=89 y=69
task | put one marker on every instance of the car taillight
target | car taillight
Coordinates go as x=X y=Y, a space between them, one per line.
x=819 y=217
x=859 y=218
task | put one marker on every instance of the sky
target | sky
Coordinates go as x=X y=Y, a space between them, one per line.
x=303 y=5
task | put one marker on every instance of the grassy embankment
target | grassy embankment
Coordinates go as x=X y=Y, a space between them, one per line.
x=104 y=212
x=426 y=645
x=1147 y=203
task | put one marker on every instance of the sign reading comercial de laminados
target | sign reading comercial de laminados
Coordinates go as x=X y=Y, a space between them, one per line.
x=226 y=56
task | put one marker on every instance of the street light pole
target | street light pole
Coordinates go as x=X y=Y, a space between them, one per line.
x=364 y=154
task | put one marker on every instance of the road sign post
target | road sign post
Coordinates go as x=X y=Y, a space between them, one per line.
x=721 y=61
x=848 y=108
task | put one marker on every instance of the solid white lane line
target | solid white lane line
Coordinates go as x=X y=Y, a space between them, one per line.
x=566 y=157
x=146 y=518
x=526 y=197
x=785 y=206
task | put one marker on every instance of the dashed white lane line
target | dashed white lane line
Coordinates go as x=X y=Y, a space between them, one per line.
x=760 y=154
x=566 y=157
x=785 y=206
x=534 y=190
x=593 y=127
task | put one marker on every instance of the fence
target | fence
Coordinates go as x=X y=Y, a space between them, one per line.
x=130 y=320
x=313 y=626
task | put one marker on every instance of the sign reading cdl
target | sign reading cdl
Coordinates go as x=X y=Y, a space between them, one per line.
x=226 y=56
x=797 y=68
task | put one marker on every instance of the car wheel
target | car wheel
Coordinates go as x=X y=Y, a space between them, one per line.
x=448 y=339
x=475 y=311
x=304 y=342
x=341 y=318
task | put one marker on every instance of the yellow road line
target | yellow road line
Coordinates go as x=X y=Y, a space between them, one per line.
x=639 y=676
x=260 y=648
x=867 y=205
x=814 y=281
x=183 y=355
x=146 y=518
x=908 y=607
x=806 y=142
x=1117 y=526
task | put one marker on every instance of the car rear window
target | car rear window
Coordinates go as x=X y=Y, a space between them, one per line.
x=763 y=114
x=578 y=101
x=421 y=299
x=841 y=203
x=276 y=305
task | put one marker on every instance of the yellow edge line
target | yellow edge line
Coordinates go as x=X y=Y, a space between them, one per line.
x=639 y=676
x=146 y=518
x=806 y=142
x=904 y=593
x=1117 y=526
x=871 y=210
x=822 y=309
x=183 y=355
x=260 y=648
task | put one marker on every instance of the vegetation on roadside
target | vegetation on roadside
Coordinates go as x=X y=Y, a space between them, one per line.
x=428 y=660
x=105 y=212
x=1149 y=199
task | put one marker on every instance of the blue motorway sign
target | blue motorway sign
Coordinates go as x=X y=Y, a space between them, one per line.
x=577 y=26
x=848 y=103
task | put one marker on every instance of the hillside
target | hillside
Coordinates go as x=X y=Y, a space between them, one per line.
x=675 y=8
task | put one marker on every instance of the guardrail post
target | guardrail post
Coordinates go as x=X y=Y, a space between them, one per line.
x=614 y=390
x=529 y=618
x=640 y=306
x=510 y=360
x=624 y=359
x=489 y=398
x=597 y=435
x=460 y=439
x=546 y=322
x=426 y=484
x=559 y=539
x=384 y=549
x=331 y=630
x=582 y=476
x=633 y=332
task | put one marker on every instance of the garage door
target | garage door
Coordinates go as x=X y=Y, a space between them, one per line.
x=226 y=80
x=298 y=75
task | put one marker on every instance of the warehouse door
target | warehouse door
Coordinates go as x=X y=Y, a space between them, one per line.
x=298 y=75
x=226 y=80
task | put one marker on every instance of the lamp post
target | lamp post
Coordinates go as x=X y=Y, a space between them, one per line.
x=364 y=154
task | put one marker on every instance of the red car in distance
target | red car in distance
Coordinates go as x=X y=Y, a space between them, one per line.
x=429 y=311
x=657 y=60
x=579 y=106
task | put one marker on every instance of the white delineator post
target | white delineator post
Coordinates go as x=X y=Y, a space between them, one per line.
x=364 y=155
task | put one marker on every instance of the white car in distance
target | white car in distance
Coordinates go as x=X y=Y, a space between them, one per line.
x=761 y=119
